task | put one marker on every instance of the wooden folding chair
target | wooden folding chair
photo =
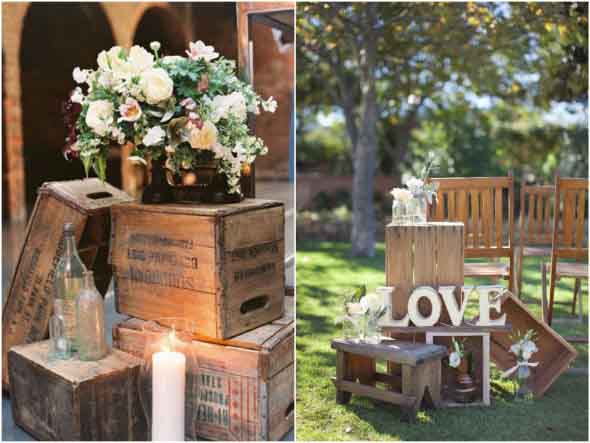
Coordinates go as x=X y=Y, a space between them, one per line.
x=482 y=204
x=535 y=225
x=569 y=240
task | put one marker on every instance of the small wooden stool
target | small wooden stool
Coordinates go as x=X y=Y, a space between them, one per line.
x=420 y=379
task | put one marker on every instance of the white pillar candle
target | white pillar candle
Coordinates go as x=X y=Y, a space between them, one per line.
x=168 y=382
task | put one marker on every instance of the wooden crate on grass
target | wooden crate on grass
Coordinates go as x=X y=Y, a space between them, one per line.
x=245 y=385
x=555 y=354
x=85 y=203
x=221 y=265
x=73 y=400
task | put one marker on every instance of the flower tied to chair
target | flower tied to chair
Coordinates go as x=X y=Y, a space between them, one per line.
x=523 y=348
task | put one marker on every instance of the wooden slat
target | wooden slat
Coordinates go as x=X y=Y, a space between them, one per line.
x=474 y=182
x=398 y=351
x=498 y=216
x=377 y=394
x=462 y=212
x=530 y=232
x=539 y=217
x=569 y=204
x=580 y=218
x=487 y=217
x=425 y=257
x=451 y=208
x=440 y=207
x=398 y=266
x=475 y=218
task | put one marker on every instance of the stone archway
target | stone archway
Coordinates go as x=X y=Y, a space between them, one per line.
x=55 y=38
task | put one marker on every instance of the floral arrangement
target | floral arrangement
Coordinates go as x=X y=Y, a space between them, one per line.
x=363 y=311
x=189 y=110
x=523 y=348
x=457 y=354
x=417 y=187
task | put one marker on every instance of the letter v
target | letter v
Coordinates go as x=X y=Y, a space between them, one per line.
x=448 y=296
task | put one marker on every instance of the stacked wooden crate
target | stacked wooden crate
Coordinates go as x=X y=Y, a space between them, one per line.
x=222 y=266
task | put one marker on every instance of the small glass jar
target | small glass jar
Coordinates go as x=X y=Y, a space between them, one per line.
x=91 y=338
x=350 y=327
x=417 y=208
x=399 y=212
x=60 y=346
x=372 y=332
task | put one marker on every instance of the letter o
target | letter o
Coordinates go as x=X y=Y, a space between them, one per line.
x=415 y=316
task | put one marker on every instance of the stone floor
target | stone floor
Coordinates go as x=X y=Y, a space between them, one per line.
x=12 y=239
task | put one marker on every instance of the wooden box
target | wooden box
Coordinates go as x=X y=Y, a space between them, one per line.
x=555 y=354
x=221 y=265
x=85 y=203
x=426 y=254
x=245 y=385
x=72 y=400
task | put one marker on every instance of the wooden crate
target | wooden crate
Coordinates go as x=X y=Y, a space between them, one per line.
x=427 y=254
x=555 y=353
x=85 y=203
x=245 y=384
x=221 y=265
x=73 y=400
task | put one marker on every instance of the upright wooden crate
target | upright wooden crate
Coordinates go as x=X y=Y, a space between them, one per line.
x=245 y=384
x=427 y=254
x=85 y=203
x=221 y=265
x=73 y=400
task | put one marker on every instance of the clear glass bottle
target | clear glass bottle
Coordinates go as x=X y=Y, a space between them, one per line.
x=417 y=208
x=68 y=282
x=59 y=343
x=90 y=319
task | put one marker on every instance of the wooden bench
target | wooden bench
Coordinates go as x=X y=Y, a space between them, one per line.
x=420 y=378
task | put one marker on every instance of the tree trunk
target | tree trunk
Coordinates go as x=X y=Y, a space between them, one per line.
x=365 y=154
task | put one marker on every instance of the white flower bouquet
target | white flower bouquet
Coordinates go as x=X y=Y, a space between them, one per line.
x=187 y=110
x=362 y=311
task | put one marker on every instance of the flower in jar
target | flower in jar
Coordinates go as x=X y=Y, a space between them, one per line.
x=99 y=117
x=203 y=138
x=454 y=359
x=401 y=194
x=199 y=50
x=130 y=110
x=156 y=85
x=415 y=185
x=356 y=308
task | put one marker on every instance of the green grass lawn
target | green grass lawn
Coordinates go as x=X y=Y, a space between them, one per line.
x=324 y=272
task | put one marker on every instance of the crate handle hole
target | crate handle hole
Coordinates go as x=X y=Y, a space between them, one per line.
x=254 y=304
x=99 y=195
x=289 y=408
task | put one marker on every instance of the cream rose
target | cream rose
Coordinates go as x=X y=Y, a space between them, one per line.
x=356 y=308
x=156 y=85
x=374 y=301
x=401 y=194
x=140 y=59
x=204 y=138
x=99 y=117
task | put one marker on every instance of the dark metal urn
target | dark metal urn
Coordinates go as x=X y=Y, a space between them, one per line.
x=158 y=191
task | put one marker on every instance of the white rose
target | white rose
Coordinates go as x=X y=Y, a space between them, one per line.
x=199 y=50
x=515 y=348
x=140 y=59
x=154 y=136
x=356 y=308
x=171 y=59
x=80 y=75
x=156 y=85
x=401 y=194
x=454 y=359
x=113 y=60
x=227 y=105
x=529 y=348
x=99 y=117
x=374 y=301
x=204 y=138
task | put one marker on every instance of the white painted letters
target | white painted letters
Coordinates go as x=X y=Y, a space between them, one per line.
x=417 y=318
x=485 y=306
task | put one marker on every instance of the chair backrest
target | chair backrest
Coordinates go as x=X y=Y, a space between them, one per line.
x=482 y=204
x=569 y=224
x=536 y=214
